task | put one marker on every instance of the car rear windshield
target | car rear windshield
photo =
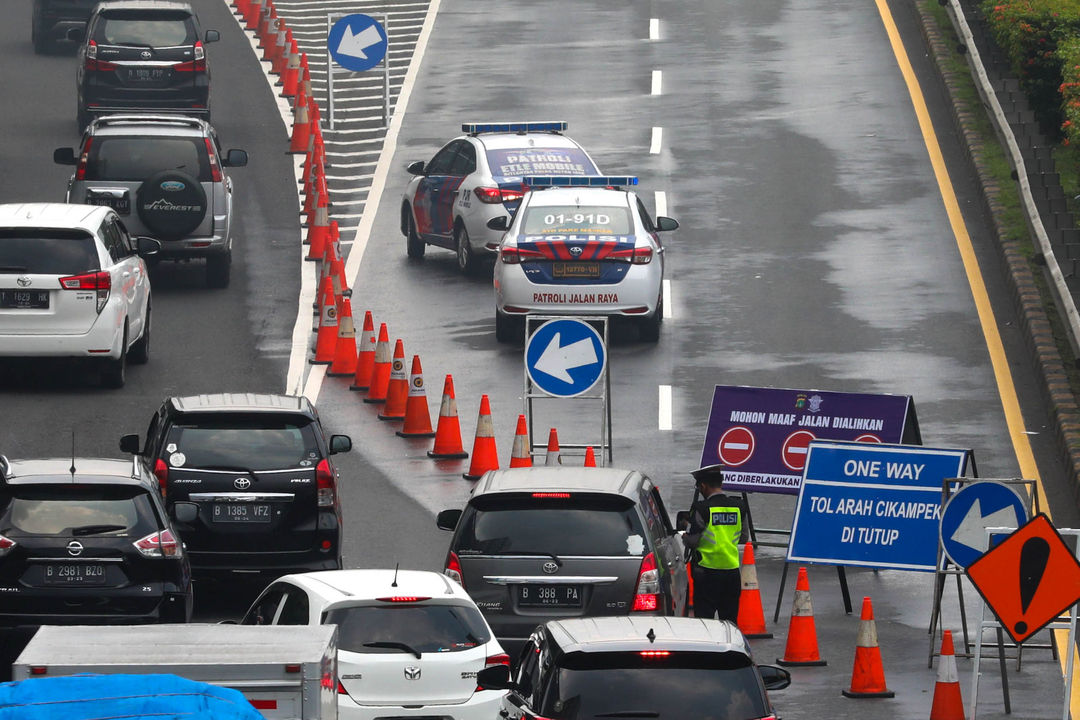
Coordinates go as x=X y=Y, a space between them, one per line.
x=710 y=686
x=155 y=28
x=424 y=628
x=564 y=219
x=47 y=251
x=225 y=442
x=581 y=525
x=137 y=158
x=76 y=510
x=515 y=163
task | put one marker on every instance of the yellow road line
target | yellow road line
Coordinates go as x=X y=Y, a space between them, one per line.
x=1006 y=390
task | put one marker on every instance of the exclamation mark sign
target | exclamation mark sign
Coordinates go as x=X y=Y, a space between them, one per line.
x=1033 y=558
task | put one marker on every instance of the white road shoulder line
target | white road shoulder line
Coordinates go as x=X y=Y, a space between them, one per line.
x=669 y=312
x=664 y=414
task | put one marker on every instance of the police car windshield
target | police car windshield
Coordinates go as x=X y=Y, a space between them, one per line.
x=710 y=686
x=576 y=219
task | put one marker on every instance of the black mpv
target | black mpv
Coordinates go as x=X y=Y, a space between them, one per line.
x=258 y=472
x=87 y=541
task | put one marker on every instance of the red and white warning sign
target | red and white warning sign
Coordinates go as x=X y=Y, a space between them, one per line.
x=795 y=448
x=736 y=446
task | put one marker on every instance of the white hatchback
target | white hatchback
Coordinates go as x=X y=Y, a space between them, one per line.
x=410 y=642
x=73 y=283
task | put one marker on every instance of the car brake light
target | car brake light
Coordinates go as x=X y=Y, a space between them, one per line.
x=648 y=586
x=551 y=495
x=341 y=689
x=636 y=256
x=196 y=65
x=161 y=472
x=489 y=195
x=403 y=599
x=654 y=653
x=93 y=64
x=215 y=166
x=515 y=256
x=5 y=545
x=99 y=281
x=80 y=169
x=159 y=545
x=324 y=476
x=453 y=569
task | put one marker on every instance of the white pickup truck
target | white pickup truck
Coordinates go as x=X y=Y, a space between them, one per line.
x=286 y=672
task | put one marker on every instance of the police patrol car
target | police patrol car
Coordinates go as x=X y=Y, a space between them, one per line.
x=477 y=177
x=580 y=246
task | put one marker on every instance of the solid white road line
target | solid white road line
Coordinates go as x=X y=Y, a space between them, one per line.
x=660 y=202
x=664 y=414
x=657 y=82
x=657 y=135
x=668 y=310
x=654 y=28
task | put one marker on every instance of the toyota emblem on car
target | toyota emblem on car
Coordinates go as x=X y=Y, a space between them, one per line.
x=551 y=567
x=146 y=55
x=24 y=281
x=242 y=483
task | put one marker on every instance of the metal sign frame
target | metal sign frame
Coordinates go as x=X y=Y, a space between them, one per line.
x=599 y=393
x=331 y=18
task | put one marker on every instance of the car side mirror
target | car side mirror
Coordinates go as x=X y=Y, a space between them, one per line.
x=496 y=677
x=447 y=519
x=211 y=36
x=664 y=224
x=147 y=246
x=64 y=156
x=340 y=444
x=236 y=158
x=76 y=34
x=682 y=520
x=129 y=444
x=415 y=168
x=775 y=678
x=187 y=512
x=500 y=223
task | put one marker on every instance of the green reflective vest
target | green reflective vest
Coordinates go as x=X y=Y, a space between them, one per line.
x=719 y=545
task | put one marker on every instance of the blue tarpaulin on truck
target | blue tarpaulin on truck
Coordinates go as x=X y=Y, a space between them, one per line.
x=132 y=697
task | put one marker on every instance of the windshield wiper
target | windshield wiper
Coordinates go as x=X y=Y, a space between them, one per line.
x=551 y=555
x=395 y=646
x=97 y=529
x=630 y=713
x=12 y=268
x=229 y=468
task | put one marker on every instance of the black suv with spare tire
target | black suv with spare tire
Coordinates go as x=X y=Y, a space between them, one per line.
x=165 y=176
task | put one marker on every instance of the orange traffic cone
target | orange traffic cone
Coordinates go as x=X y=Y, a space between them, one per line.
x=484 y=455
x=254 y=12
x=365 y=357
x=948 y=703
x=553 y=457
x=521 y=455
x=326 y=342
x=345 y=350
x=380 y=370
x=802 y=647
x=868 y=674
x=417 y=415
x=291 y=79
x=751 y=615
x=397 y=389
x=301 y=129
x=319 y=229
x=590 y=457
x=448 y=431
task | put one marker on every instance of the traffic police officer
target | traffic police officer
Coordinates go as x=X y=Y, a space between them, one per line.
x=716 y=529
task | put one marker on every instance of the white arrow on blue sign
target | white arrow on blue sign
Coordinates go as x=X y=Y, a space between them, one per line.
x=565 y=357
x=357 y=42
x=972 y=509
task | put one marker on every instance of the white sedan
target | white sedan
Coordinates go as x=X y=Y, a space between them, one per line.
x=580 y=246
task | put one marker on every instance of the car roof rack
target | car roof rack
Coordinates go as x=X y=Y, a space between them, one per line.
x=598 y=181
x=525 y=126
x=155 y=119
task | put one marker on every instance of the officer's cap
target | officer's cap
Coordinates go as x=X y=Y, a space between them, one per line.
x=710 y=474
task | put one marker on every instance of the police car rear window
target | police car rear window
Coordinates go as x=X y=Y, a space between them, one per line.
x=575 y=219
x=47 y=252
x=425 y=628
x=518 y=162
x=241 y=444
x=137 y=158
x=583 y=525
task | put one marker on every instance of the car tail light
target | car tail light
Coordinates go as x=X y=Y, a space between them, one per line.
x=80 y=169
x=551 y=495
x=492 y=661
x=635 y=256
x=99 y=281
x=403 y=599
x=654 y=653
x=453 y=569
x=341 y=689
x=93 y=64
x=215 y=166
x=159 y=545
x=161 y=472
x=196 y=65
x=495 y=195
x=5 y=545
x=324 y=476
x=648 y=586
x=515 y=256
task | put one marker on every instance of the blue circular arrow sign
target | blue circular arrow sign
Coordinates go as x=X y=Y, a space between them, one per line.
x=565 y=358
x=357 y=42
x=973 y=508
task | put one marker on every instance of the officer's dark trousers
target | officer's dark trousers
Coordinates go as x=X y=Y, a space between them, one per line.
x=716 y=593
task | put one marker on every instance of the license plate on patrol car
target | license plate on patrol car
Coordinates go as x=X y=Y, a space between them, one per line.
x=549 y=595
x=24 y=299
x=74 y=574
x=241 y=512
x=575 y=270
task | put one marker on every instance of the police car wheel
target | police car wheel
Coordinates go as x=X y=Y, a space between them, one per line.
x=414 y=246
x=466 y=258
x=649 y=328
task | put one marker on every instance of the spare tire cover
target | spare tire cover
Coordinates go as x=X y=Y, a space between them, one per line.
x=171 y=203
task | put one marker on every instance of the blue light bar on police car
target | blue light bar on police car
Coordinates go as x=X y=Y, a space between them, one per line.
x=548 y=126
x=537 y=181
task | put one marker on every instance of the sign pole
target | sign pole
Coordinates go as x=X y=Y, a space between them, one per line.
x=386 y=72
x=329 y=74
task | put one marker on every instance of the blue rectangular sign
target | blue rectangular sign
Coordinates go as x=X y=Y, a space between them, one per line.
x=872 y=505
x=761 y=435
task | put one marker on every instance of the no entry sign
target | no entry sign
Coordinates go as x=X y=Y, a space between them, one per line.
x=736 y=446
x=794 y=450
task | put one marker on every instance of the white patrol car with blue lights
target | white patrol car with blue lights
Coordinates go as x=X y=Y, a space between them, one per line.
x=477 y=177
x=580 y=246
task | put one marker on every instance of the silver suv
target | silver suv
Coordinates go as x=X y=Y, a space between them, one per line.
x=165 y=176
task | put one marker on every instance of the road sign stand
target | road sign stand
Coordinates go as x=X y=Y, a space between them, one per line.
x=331 y=19
x=945 y=566
x=600 y=392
